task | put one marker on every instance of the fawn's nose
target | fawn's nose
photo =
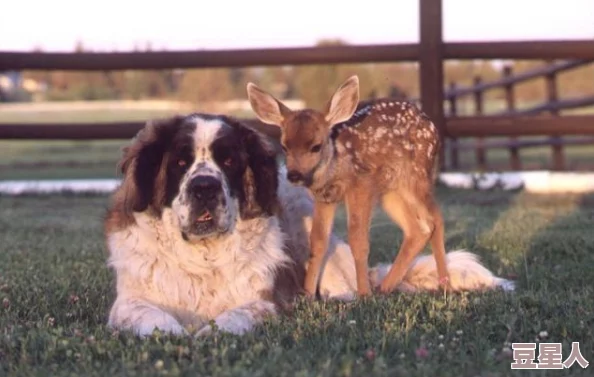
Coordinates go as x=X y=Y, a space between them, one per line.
x=294 y=176
x=205 y=187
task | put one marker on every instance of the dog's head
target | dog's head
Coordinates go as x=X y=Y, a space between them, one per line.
x=209 y=170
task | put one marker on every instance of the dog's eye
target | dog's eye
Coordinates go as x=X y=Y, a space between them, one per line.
x=316 y=148
x=181 y=162
x=228 y=161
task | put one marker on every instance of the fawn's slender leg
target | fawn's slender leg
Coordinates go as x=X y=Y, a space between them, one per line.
x=359 y=205
x=438 y=246
x=323 y=218
x=417 y=227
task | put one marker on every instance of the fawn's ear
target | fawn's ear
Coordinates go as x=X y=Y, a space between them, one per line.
x=344 y=101
x=267 y=108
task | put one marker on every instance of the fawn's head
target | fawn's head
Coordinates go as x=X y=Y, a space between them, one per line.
x=305 y=134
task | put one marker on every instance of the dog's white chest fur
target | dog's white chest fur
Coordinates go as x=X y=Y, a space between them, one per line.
x=196 y=282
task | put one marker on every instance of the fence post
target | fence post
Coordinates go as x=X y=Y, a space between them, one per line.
x=510 y=100
x=431 y=67
x=452 y=99
x=556 y=145
x=478 y=109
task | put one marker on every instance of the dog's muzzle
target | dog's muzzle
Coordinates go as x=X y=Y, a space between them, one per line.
x=207 y=202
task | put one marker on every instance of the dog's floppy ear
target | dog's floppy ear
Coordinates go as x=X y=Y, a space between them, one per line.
x=260 y=180
x=142 y=165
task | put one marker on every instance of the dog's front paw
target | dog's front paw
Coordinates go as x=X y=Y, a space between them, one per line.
x=166 y=324
x=229 y=322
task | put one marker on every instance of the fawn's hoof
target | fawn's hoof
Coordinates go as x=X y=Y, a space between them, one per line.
x=364 y=293
x=445 y=285
x=384 y=289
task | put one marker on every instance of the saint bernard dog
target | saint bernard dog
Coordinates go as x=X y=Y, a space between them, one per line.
x=205 y=228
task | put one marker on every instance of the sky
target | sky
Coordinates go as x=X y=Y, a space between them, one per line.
x=119 y=25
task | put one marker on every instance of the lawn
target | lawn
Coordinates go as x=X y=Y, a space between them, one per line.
x=56 y=292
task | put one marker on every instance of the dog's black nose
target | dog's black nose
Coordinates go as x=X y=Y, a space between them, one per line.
x=205 y=187
x=294 y=176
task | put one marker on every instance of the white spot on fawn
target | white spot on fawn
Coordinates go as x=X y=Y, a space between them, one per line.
x=380 y=132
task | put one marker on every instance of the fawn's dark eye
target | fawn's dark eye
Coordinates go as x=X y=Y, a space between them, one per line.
x=284 y=148
x=316 y=148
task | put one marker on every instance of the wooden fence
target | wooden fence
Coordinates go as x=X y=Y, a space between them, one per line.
x=430 y=52
x=553 y=106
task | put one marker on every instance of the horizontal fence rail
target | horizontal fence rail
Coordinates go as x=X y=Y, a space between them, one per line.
x=99 y=131
x=105 y=61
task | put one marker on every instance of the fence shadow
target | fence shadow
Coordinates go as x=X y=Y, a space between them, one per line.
x=564 y=250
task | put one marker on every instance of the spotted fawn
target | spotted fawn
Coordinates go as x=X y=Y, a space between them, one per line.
x=374 y=152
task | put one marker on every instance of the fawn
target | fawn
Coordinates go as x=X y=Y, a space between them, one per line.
x=366 y=153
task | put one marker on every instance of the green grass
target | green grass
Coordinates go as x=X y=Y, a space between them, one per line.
x=56 y=292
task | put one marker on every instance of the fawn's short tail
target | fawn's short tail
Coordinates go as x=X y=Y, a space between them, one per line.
x=466 y=274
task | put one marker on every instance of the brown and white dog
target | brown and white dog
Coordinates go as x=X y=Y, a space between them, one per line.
x=204 y=226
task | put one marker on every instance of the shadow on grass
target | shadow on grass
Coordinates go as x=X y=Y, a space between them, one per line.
x=563 y=250
x=467 y=215
x=559 y=271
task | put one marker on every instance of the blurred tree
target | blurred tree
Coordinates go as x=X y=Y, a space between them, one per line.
x=396 y=79
x=206 y=85
x=529 y=91
x=577 y=82
x=279 y=80
x=238 y=79
x=315 y=84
